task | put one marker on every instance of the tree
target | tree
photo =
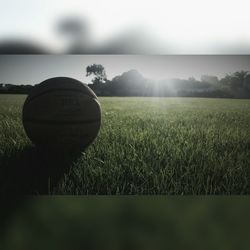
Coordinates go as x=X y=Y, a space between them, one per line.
x=98 y=71
x=237 y=80
x=241 y=75
x=75 y=31
x=247 y=83
x=191 y=79
x=210 y=79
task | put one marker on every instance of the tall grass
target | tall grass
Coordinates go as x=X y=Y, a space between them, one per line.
x=145 y=146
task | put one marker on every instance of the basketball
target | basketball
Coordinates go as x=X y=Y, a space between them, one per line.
x=62 y=113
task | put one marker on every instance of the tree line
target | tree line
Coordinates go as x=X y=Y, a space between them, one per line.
x=7 y=88
x=132 y=83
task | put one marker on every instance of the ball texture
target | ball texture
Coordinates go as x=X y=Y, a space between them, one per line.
x=62 y=113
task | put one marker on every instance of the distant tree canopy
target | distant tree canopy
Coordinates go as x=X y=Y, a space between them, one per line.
x=15 y=89
x=210 y=79
x=132 y=83
x=98 y=71
x=238 y=83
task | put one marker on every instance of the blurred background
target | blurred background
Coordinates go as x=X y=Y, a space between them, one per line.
x=124 y=27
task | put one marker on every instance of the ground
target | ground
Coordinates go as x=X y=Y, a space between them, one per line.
x=145 y=146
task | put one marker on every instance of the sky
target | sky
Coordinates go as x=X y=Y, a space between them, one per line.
x=193 y=26
x=33 y=69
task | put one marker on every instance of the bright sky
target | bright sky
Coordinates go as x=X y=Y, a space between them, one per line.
x=33 y=69
x=193 y=26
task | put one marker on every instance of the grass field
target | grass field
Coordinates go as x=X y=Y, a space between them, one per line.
x=145 y=146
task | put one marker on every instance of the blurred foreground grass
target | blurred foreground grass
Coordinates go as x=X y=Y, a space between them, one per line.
x=128 y=223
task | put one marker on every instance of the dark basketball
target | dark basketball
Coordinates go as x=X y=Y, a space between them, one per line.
x=62 y=113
